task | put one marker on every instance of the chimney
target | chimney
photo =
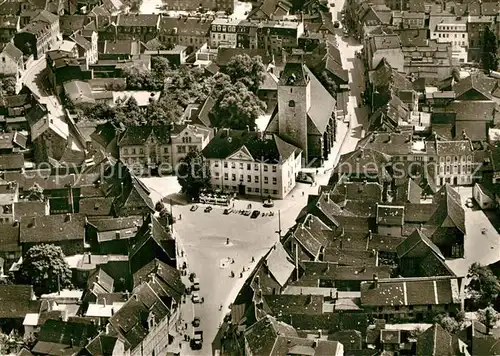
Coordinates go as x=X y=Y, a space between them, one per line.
x=117 y=235
x=104 y=301
x=375 y=281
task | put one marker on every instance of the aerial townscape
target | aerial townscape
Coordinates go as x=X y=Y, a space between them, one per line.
x=249 y=178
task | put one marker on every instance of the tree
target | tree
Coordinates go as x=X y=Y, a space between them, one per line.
x=489 y=50
x=45 y=269
x=247 y=70
x=448 y=323
x=236 y=108
x=488 y=316
x=327 y=82
x=484 y=286
x=193 y=174
x=7 y=86
x=35 y=193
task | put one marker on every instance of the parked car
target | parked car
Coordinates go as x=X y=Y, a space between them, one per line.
x=196 y=284
x=192 y=276
x=196 y=297
x=469 y=204
x=196 y=321
x=268 y=203
x=197 y=340
x=336 y=24
x=255 y=214
x=247 y=213
x=194 y=208
x=208 y=209
x=228 y=211
x=303 y=177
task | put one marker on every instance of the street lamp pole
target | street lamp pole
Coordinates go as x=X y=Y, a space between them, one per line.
x=279 y=225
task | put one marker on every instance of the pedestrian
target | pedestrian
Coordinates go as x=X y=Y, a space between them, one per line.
x=227 y=241
x=241 y=275
x=302 y=193
x=180 y=216
x=180 y=345
x=232 y=260
x=220 y=307
x=253 y=259
x=186 y=325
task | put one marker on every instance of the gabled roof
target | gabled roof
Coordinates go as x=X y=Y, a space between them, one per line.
x=390 y=215
x=322 y=103
x=13 y=52
x=270 y=149
x=417 y=238
x=449 y=212
x=138 y=135
x=100 y=282
x=52 y=228
x=17 y=301
x=280 y=264
x=101 y=345
x=435 y=341
x=151 y=229
x=170 y=278
x=131 y=320
x=261 y=337
x=57 y=337
x=479 y=83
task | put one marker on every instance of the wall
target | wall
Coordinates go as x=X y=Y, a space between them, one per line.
x=394 y=57
x=390 y=230
x=8 y=66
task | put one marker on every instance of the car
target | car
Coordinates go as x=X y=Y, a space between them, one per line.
x=196 y=297
x=196 y=321
x=469 y=200
x=208 y=209
x=247 y=213
x=303 y=177
x=332 y=4
x=336 y=24
x=255 y=214
x=196 y=284
x=192 y=277
x=268 y=203
x=194 y=208
x=469 y=204
x=228 y=211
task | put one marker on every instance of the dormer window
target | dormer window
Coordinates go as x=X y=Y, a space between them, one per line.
x=291 y=103
x=151 y=321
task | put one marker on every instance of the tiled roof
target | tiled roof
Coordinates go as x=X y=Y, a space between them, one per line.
x=113 y=224
x=285 y=345
x=435 y=341
x=390 y=215
x=137 y=135
x=52 y=228
x=17 y=301
x=13 y=161
x=9 y=238
x=478 y=82
x=417 y=239
x=261 y=337
x=449 y=212
x=101 y=345
x=13 y=52
x=270 y=150
x=132 y=317
x=170 y=278
x=100 y=281
x=280 y=264
x=474 y=110
x=96 y=206
x=58 y=337
x=140 y=20
x=410 y=291
x=322 y=103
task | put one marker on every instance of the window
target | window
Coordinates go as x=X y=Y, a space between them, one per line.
x=249 y=178
x=233 y=165
x=216 y=175
x=241 y=177
x=256 y=179
x=266 y=180
x=216 y=164
x=181 y=149
x=265 y=168
x=256 y=167
x=133 y=151
x=274 y=168
x=249 y=166
x=226 y=177
x=225 y=164
x=275 y=181
x=165 y=150
x=275 y=191
x=249 y=189
x=233 y=177
x=241 y=165
x=291 y=103
x=257 y=190
x=141 y=151
x=266 y=191
x=125 y=151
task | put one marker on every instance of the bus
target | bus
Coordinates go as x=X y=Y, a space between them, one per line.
x=216 y=198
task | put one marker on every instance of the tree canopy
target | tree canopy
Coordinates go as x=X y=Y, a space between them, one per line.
x=488 y=316
x=45 y=269
x=489 y=50
x=247 y=70
x=236 y=108
x=484 y=286
x=193 y=174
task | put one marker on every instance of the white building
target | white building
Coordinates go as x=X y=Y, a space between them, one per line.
x=11 y=61
x=223 y=33
x=252 y=163
x=451 y=29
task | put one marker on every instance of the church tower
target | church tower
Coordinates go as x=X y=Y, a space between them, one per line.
x=294 y=101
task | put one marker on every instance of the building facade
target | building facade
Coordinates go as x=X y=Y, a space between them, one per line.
x=250 y=163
